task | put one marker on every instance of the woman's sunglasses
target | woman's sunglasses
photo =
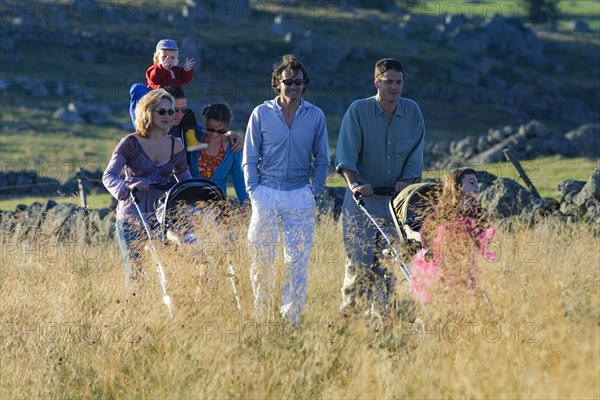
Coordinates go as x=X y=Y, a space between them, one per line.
x=162 y=111
x=219 y=131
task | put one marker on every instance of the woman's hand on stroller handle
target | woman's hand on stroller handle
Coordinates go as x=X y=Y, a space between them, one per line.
x=144 y=187
x=139 y=185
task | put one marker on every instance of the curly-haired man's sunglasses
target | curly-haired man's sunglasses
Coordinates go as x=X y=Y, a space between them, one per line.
x=297 y=82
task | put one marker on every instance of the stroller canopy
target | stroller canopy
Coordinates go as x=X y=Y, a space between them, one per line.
x=410 y=206
x=188 y=192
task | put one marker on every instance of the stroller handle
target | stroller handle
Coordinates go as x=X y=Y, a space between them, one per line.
x=155 y=186
x=378 y=191
x=152 y=186
x=160 y=186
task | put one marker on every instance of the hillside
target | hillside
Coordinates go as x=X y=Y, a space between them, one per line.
x=467 y=73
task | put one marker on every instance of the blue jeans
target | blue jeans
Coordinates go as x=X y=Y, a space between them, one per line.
x=365 y=273
x=136 y=92
x=128 y=237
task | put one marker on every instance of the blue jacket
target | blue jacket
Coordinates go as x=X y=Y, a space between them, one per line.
x=283 y=158
x=231 y=165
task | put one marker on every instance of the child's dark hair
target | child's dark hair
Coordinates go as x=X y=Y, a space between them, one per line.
x=175 y=91
x=218 y=112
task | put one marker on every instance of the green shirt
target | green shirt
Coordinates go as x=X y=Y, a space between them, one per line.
x=379 y=151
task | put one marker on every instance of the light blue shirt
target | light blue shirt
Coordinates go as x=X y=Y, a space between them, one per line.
x=282 y=158
x=381 y=152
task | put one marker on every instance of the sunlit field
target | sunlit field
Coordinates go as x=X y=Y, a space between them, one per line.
x=67 y=331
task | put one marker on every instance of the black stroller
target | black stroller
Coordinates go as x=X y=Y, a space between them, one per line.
x=185 y=197
x=182 y=200
x=408 y=209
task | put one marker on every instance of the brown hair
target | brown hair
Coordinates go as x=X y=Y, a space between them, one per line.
x=450 y=206
x=452 y=191
x=144 y=109
x=288 y=61
x=387 y=64
x=218 y=112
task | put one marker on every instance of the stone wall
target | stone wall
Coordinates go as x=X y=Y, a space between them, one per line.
x=504 y=199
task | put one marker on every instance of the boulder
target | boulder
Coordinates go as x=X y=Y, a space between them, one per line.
x=590 y=191
x=398 y=31
x=505 y=197
x=586 y=139
x=578 y=26
x=534 y=129
x=569 y=187
x=64 y=115
x=438 y=34
x=470 y=41
x=485 y=179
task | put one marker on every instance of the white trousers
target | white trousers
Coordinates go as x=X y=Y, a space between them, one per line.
x=293 y=213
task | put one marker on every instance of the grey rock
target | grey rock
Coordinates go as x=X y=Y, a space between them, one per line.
x=482 y=65
x=534 y=129
x=485 y=179
x=65 y=115
x=591 y=190
x=471 y=41
x=505 y=197
x=399 y=31
x=586 y=139
x=465 y=76
x=578 y=26
x=569 y=186
x=438 y=34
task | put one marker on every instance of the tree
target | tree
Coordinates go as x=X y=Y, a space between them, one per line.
x=541 y=11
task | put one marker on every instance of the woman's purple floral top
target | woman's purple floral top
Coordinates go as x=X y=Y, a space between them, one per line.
x=130 y=156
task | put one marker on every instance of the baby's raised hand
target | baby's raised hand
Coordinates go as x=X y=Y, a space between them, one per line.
x=189 y=64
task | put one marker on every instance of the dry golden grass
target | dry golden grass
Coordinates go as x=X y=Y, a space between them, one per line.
x=67 y=332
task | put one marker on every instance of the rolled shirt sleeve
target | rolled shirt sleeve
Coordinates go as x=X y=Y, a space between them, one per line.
x=381 y=151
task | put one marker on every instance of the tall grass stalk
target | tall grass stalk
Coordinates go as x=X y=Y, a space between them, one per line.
x=68 y=332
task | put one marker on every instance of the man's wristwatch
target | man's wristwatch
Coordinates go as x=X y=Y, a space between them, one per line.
x=354 y=185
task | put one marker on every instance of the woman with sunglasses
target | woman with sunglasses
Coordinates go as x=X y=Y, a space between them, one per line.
x=148 y=156
x=218 y=161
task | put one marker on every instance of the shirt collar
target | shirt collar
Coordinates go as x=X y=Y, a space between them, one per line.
x=276 y=102
x=379 y=109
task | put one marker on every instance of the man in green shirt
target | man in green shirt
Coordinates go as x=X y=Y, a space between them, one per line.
x=380 y=146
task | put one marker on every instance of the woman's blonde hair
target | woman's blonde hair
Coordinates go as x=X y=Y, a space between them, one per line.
x=144 y=109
